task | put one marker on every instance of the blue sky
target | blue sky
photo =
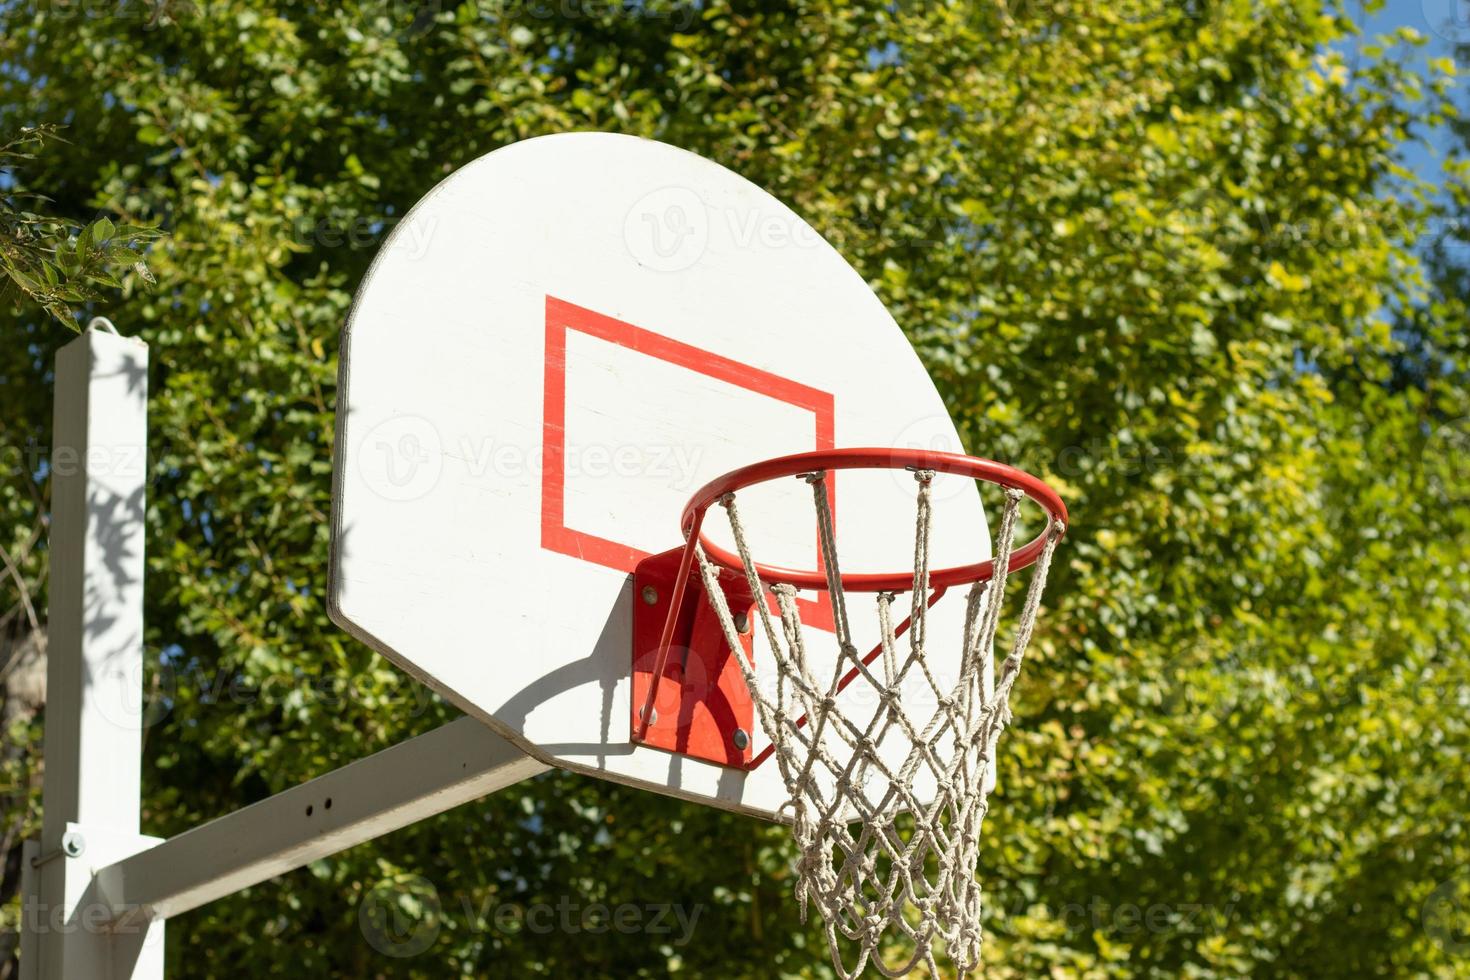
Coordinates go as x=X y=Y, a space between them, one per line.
x=1444 y=23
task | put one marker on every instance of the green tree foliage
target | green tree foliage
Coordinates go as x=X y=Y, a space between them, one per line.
x=46 y=261
x=1149 y=250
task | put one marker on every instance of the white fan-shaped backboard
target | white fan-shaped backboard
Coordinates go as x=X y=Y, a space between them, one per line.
x=556 y=347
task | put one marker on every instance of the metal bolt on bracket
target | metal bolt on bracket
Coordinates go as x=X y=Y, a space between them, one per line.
x=73 y=845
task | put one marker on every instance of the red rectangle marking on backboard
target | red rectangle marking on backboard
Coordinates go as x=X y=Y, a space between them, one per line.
x=561 y=317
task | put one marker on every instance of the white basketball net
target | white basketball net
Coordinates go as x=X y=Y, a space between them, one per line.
x=908 y=866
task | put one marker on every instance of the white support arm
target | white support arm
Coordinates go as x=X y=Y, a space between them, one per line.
x=460 y=762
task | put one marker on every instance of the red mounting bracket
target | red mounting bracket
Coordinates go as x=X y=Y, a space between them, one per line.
x=701 y=707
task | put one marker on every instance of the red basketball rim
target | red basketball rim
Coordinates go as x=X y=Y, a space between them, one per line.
x=874 y=458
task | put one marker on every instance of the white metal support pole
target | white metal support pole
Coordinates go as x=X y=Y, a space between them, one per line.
x=96 y=891
x=93 y=737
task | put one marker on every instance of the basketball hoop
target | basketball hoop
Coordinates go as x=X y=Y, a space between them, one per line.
x=607 y=364
x=909 y=866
